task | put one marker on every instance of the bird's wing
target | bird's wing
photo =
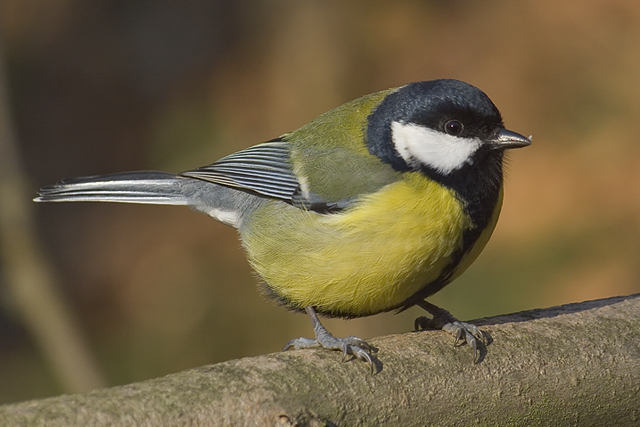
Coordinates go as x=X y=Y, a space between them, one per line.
x=264 y=169
x=269 y=170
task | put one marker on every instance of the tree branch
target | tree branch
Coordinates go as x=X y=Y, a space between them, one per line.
x=577 y=364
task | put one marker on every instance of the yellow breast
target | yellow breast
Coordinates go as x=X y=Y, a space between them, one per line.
x=364 y=260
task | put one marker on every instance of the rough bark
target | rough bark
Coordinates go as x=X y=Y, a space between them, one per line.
x=577 y=364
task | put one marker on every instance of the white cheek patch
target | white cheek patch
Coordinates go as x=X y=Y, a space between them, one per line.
x=420 y=145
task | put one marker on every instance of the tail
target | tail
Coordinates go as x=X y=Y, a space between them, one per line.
x=156 y=188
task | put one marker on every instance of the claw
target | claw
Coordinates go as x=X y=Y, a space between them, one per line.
x=465 y=333
x=350 y=346
x=474 y=349
x=459 y=335
x=347 y=346
x=462 y=332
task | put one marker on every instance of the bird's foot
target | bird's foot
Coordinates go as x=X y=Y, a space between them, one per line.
x=443 y=320
x=349 y=346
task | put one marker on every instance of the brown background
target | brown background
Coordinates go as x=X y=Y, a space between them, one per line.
x=107 y=86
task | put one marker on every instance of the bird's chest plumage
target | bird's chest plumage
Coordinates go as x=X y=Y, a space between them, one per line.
x=366 y=259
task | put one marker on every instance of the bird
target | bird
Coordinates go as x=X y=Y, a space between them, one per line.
x=371 y=207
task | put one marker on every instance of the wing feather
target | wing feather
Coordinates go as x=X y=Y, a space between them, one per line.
x=264 y=169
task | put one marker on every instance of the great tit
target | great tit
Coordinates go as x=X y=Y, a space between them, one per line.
x=371 y=207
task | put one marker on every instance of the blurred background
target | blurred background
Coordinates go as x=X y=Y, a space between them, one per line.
x=108 y=86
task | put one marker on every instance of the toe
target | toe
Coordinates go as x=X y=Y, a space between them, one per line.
x=349 y=346
x=357 y=342
x=422 y=323
x=299 y=343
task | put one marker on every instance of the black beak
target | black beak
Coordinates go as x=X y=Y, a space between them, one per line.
x=506 y=139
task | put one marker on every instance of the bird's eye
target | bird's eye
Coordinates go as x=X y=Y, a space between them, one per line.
x=453 y=127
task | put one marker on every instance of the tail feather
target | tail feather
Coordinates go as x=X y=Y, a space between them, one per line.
x=129 y=187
